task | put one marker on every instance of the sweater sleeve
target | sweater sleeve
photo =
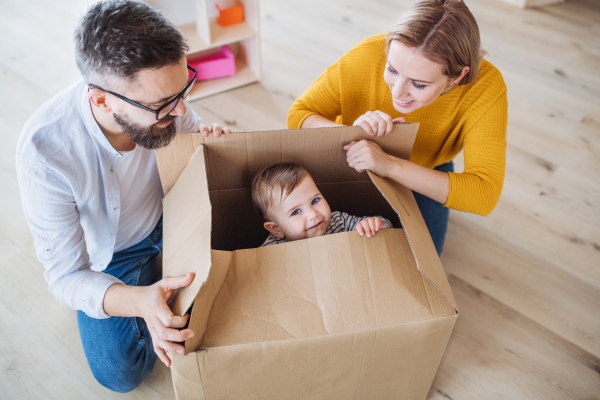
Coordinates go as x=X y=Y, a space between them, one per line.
x=322 y=97
x=478 y=188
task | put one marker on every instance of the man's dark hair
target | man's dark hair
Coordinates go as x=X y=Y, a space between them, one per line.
x=119 y=38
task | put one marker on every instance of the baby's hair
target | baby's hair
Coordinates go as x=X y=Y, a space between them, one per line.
x=275 y=183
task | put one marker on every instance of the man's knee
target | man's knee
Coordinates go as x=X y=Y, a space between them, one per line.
x=125 y=373
x=125 y=377
x=121 y=384
x=118 y=350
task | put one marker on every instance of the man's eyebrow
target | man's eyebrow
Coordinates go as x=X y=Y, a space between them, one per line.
x=414 y=80
x=169 y=97
x=164 y=99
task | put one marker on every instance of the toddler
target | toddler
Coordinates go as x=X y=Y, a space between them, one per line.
x=293 y=208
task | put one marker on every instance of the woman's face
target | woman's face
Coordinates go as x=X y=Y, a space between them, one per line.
x=414 y=80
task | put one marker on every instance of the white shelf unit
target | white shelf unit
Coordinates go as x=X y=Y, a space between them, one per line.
x=206 y=34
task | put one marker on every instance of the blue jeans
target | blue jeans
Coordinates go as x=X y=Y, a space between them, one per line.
x=118 y=349
x=435 y=214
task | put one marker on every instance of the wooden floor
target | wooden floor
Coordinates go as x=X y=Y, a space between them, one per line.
x=526 y=278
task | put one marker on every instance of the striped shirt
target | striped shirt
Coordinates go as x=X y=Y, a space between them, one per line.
x=340 y=222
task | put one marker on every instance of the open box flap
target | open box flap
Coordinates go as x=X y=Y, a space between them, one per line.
x=421 y=244
x=187 y=227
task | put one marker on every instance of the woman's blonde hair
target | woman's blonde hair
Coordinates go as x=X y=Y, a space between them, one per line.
x=445 y=32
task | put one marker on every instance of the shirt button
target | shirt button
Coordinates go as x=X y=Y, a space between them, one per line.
x=102 y=265
x=111 y=234
x=115 y=209
x=111 y=170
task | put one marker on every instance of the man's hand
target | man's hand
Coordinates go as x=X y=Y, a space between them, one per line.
x=215 y=129
x=150 y=303
x=161 y=322
x=369 y=226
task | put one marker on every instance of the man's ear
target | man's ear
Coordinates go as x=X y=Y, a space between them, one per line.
x=98 y=100
x=274 y=229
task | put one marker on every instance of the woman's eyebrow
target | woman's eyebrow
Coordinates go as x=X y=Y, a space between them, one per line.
x=412 y=79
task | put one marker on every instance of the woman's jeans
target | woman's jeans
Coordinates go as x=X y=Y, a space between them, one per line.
x=435 y=214
x=119 y=349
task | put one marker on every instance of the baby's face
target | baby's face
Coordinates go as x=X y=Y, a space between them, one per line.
x=303 y=214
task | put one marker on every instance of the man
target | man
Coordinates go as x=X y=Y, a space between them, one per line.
x=91 y=191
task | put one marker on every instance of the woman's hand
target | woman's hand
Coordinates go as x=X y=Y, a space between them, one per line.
x=365 y=155
x=215 y=129
x=377 y=123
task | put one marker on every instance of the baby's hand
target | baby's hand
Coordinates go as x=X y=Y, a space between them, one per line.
x=215 y=129
x=369 y=226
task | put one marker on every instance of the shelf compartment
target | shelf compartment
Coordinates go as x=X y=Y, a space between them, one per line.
x=205 y=36
x=244 y=76
x=220 y=35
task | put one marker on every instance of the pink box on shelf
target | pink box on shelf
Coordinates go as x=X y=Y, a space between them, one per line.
x=214 y=66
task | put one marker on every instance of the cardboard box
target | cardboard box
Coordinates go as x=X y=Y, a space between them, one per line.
x=335 y=317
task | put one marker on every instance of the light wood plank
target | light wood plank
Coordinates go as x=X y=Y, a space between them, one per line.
x=497 y=353
x=531 y=286
x=532 y=3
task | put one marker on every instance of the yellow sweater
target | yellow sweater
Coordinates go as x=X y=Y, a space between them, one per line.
x=472 y=116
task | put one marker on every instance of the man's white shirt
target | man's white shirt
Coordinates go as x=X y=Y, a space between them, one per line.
x=72 y=188
x=141 y=196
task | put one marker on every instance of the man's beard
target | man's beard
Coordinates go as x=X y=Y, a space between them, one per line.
x=151 y=137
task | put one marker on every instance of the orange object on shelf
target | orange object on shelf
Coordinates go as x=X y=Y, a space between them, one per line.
x=230 y=16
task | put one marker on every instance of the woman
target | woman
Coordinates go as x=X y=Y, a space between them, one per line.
x=427 y=69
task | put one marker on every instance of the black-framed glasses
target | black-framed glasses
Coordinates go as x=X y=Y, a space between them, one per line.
x=166 y=108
